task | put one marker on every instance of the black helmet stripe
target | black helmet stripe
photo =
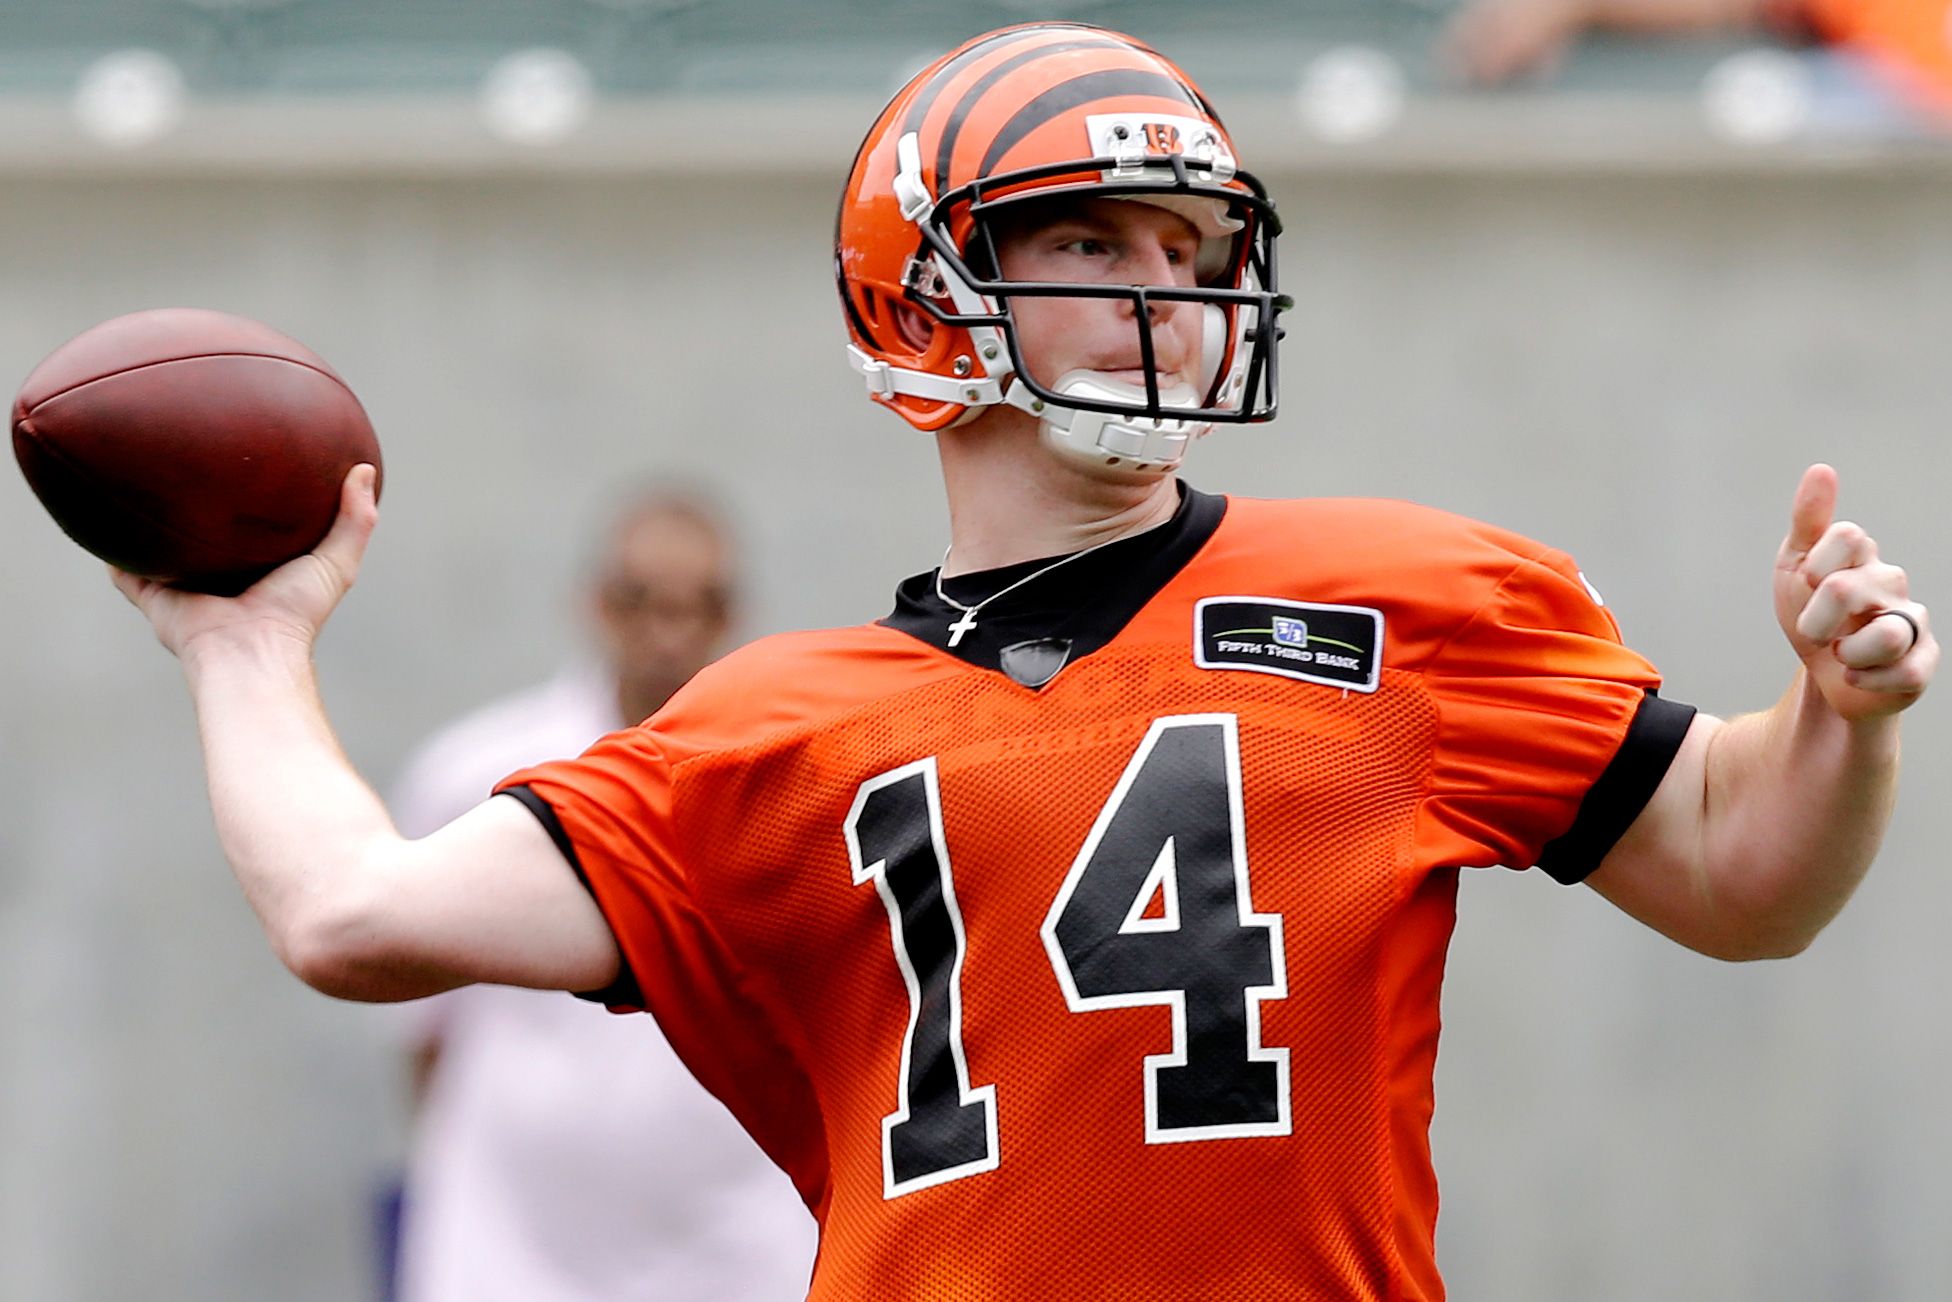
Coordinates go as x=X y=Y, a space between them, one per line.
x=847 y=301
x=947 y=72
x=968 y=102
x=1072 y=94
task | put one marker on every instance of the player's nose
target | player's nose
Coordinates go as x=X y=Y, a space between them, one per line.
x=1149 y=264
x=1149 y=261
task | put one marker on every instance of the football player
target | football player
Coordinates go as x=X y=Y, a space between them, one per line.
x=1076 y=930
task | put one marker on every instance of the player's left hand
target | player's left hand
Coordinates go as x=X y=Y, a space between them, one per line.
x=1848 y=612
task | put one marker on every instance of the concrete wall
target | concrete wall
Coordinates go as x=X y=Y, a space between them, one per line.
x=1634 y=367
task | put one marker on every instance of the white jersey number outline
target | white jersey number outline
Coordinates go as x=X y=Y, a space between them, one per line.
x=1173 y=830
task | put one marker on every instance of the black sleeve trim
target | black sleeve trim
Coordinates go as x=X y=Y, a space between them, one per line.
x=624 y=992
x=1619 y=794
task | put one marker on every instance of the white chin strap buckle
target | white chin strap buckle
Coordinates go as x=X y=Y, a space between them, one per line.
x=1112 y=442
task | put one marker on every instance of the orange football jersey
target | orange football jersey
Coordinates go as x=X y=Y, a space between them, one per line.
x=1126 y=985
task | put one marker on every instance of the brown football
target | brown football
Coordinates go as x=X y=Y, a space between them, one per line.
x=193 y=447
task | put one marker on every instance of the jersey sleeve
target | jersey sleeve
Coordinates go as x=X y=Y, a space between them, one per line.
x=1551 y=735
x=610 y=811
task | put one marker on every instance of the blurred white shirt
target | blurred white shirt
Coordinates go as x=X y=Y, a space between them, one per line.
x=563 y=1152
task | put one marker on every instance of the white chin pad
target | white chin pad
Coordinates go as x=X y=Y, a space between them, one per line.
x=1099 y=387
x=1121 y=443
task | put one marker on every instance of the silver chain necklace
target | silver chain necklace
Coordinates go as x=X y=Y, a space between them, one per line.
x=967 y=623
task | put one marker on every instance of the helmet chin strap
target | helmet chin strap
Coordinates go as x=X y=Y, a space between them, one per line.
x=1126 y=446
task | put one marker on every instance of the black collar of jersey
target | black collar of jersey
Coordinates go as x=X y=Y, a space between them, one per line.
x=1035 y=631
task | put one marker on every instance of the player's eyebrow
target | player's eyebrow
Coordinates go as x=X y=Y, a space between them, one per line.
x=1040 y=216
x=1089 y=218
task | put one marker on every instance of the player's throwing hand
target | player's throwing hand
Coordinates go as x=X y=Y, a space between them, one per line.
x=293 y=600
x=1868 y=647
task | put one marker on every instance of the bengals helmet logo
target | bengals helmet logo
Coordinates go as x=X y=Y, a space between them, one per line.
x=1162 y=138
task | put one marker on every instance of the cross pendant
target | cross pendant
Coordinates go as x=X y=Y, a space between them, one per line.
x=967 y=624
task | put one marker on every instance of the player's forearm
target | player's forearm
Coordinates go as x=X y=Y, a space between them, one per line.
x=300 y=828
x=1796 y=803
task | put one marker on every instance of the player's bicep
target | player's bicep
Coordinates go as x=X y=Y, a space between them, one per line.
x=490 y=897
x=1658 y=871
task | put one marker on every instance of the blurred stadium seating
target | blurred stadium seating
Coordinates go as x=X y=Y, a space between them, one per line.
x=300 y=82
x=778 y=47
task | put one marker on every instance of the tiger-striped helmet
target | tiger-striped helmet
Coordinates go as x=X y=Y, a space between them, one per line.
x=1034 y=111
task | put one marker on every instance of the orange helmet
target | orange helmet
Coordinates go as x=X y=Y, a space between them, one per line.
x=1034 y=111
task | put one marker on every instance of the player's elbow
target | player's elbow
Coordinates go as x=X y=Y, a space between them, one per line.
x=342 y=946
x=1756 y=939
x=330 y=951
x=1789 y=947
x=1773 y=944
x=1745 y=951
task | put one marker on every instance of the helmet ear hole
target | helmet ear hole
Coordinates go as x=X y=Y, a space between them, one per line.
x=913 y=326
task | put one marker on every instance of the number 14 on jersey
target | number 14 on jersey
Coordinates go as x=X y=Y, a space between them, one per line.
x=1172 y=831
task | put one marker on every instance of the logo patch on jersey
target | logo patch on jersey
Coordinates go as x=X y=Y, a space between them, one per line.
x=1337 y=646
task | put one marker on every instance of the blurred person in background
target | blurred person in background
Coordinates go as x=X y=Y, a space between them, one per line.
x=559 y=1152
x=1906 y=44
